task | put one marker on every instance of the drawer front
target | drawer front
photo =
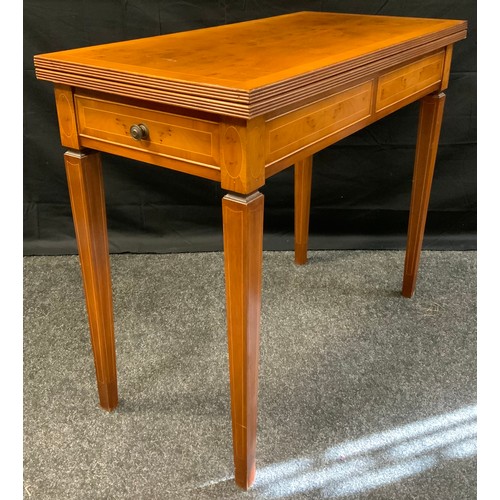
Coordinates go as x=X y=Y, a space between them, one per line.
x=410 y=79
x=293 y=131
x=170 y=135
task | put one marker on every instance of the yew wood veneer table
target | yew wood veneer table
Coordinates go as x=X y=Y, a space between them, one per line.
x=237 y=104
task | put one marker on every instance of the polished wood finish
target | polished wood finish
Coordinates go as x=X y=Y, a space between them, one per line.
x=237 y=104
x=350 y=109
x=66 y=116
x=303 y=177
x=293 y=131
x=447 y=66
x=170 y=134
x=86 y=191
x=429 y=127
x=248 y=69
x=396 y=85
x=243 y=223
x=242 y=155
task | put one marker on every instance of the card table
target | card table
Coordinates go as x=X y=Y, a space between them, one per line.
x=237 y=104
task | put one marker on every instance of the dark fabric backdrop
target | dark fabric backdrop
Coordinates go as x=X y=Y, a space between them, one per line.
x=361 y=185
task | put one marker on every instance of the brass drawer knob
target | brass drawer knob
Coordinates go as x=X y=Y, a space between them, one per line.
x=139 y=132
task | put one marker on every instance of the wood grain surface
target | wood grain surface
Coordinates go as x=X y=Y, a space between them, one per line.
x=302 y=188
x=86 y=191
x=429 y=127
x=245 y=69
x=396 y=85
x=66 y=116
x=243 y=219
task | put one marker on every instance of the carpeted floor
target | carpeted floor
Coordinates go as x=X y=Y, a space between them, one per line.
x=363 y=394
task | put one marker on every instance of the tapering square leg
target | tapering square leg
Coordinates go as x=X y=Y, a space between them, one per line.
x=243 y=232
x=429 y=127
x=303 y=176
x=84 y=174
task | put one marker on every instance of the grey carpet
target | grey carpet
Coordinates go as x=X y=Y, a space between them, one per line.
x=363 y=394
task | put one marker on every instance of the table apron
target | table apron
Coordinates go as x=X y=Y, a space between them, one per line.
x=215 y=146
x=302 y=132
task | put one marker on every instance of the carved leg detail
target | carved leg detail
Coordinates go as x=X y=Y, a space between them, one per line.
x=86 y=191
x=243 y=232
x=303 y=176
x=431 y=115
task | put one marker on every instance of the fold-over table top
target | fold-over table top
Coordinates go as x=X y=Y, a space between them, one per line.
x=243 y=65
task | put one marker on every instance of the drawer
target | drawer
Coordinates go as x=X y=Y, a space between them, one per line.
x=170 y=135
x=293 y=131
x=403 y=82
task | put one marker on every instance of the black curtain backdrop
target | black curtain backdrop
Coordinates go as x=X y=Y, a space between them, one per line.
x=361 y=185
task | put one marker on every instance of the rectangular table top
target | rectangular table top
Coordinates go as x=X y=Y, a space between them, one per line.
x=246 y=64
